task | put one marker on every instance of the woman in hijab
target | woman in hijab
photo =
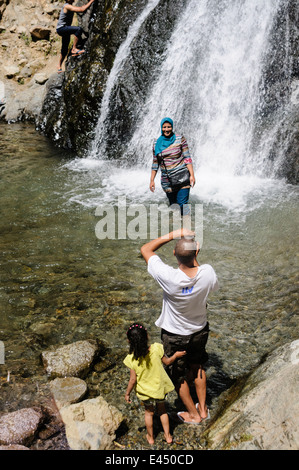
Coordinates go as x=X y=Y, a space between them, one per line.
x=171 y=153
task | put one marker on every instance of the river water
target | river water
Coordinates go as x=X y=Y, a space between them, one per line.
x=61 y=283
x=72 y=228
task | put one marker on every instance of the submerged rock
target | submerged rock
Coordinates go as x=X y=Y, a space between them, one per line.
x=265 y=414
x=68 y=390
x=71 y=360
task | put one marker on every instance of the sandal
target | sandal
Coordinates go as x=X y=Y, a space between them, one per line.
x=179 y=415
x=74 y=54
x=208 y=415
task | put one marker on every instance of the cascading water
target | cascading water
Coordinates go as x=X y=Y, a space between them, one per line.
x=61 y=284
x=209 y=83
x=121 y=55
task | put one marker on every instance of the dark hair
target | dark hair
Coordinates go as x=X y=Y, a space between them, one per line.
x=185 y=250
x=137 y=336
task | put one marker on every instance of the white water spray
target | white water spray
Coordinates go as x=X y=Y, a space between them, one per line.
x=209 y=84
x=119 y=60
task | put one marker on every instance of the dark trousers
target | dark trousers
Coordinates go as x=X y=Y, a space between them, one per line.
x=65 y=32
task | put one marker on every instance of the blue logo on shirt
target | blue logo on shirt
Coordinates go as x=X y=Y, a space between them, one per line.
x=186 y=290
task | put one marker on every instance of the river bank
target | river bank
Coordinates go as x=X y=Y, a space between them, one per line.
x=259 y=412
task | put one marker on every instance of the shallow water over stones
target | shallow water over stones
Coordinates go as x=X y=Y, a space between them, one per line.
x=61 y=284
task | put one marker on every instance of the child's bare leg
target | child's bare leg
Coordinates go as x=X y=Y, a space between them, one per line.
x=149 y=418
x=164 y=421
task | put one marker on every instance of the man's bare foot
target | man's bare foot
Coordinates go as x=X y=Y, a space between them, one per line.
x=168 y=438
x=205 y=414
x=186 y=418
x=150 y=439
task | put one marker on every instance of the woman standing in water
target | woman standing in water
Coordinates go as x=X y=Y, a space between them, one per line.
x=171 y=153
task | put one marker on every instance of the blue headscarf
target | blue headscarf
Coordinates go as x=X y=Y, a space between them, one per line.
x=164 y=142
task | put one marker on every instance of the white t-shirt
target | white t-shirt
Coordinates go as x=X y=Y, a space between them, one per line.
x=184 y=299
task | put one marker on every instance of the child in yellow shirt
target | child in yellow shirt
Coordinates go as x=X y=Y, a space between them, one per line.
x=149 y=376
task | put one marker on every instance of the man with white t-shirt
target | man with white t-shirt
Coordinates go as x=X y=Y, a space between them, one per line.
x=183 y=319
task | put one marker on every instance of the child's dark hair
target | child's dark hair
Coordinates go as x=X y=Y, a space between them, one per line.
x=137 y=336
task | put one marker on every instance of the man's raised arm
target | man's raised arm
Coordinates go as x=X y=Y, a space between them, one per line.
x=79 y=9
x=149 y=248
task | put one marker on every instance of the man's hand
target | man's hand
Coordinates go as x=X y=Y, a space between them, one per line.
x=149 y=248
x=181 y=233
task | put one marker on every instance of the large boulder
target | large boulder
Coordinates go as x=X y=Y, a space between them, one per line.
x=265 y=414
x=71 y=360
x=91 y=424
x=20 y=427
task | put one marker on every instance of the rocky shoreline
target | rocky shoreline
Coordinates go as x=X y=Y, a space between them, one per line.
x=258 y=412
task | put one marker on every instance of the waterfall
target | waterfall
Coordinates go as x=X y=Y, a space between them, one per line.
x=119 y=60
x=210 y=84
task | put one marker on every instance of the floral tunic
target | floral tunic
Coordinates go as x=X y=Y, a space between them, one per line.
x=175 y=157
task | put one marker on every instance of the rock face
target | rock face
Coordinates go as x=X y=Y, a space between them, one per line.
x=66 y=107
x=72 y=360
x=28 y=46
x=71 y=119
x=91 y=424
x=265 y=415
x=85 y=78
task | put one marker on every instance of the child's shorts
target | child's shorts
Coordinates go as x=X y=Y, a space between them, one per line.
x=150 y=402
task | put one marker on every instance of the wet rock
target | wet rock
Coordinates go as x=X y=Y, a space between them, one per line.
x=91 y=424
x=68 y=390
x=20 y=427
x=14 y=447
x=72 y=360
x=264 y=416
x=43 y=329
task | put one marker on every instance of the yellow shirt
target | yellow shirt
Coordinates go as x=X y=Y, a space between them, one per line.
x=152 y=379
